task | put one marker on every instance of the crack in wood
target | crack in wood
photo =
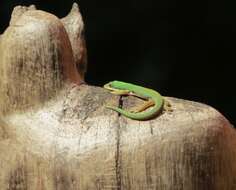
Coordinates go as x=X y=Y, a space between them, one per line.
x=118 y=153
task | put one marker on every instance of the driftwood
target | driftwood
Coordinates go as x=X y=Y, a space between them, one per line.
x=55 y=132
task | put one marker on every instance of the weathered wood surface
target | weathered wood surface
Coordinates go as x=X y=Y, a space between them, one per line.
x=59 y=135
x=75 y=143
x=36 y=59
x=74 y=26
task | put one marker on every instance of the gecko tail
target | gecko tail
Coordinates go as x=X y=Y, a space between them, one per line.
x=136 y=116
x=119 y=110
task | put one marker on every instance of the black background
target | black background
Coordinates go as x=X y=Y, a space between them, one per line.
x=184 y=49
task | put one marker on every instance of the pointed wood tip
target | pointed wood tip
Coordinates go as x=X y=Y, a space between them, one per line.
x=75 y=8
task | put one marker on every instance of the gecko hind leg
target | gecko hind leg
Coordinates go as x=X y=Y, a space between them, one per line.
x=143 y=107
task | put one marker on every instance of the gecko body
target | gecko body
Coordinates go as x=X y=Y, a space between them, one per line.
x=154 y=100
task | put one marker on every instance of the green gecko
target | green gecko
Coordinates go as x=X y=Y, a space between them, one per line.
x=153 y=98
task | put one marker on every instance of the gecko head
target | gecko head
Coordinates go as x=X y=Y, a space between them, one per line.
x=113 y=85
x=110 y=85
